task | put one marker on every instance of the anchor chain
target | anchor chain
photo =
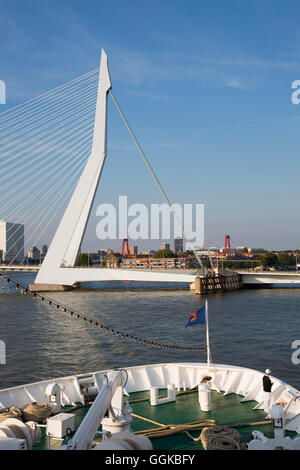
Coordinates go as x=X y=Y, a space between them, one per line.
x=105 y=328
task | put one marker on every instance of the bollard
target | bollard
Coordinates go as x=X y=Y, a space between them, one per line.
x=204 y=396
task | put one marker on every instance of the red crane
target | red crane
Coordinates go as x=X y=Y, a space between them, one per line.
x=125 y=244
x=227 y=244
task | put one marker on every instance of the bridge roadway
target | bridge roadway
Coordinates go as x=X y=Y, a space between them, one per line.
x=287 y=278
x=73 y=276
x=7 y=267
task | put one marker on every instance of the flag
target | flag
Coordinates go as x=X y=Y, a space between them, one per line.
x=197 y=318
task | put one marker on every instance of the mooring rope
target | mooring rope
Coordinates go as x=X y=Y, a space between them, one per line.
x=37 y=412
x=105 y=328
x=171 y=429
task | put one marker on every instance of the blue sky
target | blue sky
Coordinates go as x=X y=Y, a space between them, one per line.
x=206 y=87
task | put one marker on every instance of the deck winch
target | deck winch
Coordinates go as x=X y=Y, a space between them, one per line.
x=115 y=423
x=125 y=441
x=88 y=387
x=16 y=435
x=108 y=409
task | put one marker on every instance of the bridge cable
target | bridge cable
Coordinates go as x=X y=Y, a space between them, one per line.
x=33 y=101
x=54 y=133
x=42 y=200
x=50 y=124
x=53 y=158
x=74 y=137
x=59 y=193
x=90 y=110
x=153 y=173
x=61 y=105
x=59 y=178
x=50 y=179
x=58 y=206
x=58 y=182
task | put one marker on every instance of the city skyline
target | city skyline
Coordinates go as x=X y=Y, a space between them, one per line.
x=214 y=114
x=141 y=246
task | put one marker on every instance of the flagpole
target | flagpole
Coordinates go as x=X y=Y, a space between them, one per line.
x=207 y=334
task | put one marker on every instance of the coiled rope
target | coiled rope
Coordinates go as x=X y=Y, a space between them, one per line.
x=222 y=443
x=213 y=437
x=12 y=412
x=165 y=430
x=220 y=431
x=220 y=438
x=105 y=328
x=37 y=412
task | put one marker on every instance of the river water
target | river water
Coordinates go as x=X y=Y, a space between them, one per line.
x=250 y=328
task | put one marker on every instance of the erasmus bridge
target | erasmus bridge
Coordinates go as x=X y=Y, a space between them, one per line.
x=53 y=149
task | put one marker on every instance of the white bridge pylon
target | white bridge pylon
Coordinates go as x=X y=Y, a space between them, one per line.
x=58 y=268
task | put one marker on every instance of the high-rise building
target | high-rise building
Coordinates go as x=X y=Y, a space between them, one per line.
x=44 y=250
x=164 y=246
x=133 y=250
x=12 y=242
x=34 y=254
x=178 y=246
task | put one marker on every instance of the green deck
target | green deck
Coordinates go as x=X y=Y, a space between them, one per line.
x=226 y=410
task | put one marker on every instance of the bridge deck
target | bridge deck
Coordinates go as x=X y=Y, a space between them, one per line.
x=270 y=277
x=72 y=276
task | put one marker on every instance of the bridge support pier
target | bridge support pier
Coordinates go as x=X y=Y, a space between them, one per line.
x=217 y=282
x=50 y=287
